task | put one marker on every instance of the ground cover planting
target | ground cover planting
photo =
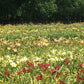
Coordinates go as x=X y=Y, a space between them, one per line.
x=42 y=54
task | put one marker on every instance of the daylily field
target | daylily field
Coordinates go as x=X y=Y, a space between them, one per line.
x=42 y=53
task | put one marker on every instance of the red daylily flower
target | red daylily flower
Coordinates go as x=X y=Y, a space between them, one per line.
x=53 y=71
x=61 y=82
x=82 y=71
x=57 y=67
x=81 y=65
x=29 y=70
x=18 y=73
x=45 y=69
x=66 y=61
x=6 y=73
x=41 y=65
x=58 y=74
x=24 y=69
x=30 y=64
x=39 y=77
x=79 y=78
x=46 y=65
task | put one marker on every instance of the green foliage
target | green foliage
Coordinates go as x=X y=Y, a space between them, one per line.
x=41 y=10
x=47 y=9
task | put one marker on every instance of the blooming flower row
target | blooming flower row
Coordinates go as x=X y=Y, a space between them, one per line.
x=45 y=67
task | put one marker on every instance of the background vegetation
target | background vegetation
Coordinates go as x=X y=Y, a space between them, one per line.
x=41 y=11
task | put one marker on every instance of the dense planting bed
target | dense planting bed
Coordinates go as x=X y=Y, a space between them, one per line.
x=42 y=54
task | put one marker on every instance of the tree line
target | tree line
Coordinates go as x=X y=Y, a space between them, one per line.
x=41 y=10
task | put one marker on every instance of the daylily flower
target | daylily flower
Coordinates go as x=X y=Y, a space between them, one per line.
x=13 y=64
x=41 y=65
x=45 y=69
x=8 y=48
x=58 y=74
x=53 y=71
x=81 y=65
x=79 y=78
x=61 y=82
x=57 y=67
x=29 y=70
x=24 y=69
x=39 y=77
x=46 y=65
x=30 y=64
x=15 y=50
x=82 y=71
x=66 y=61
x=18 y=73
x=6 y=73
x=18 y=44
